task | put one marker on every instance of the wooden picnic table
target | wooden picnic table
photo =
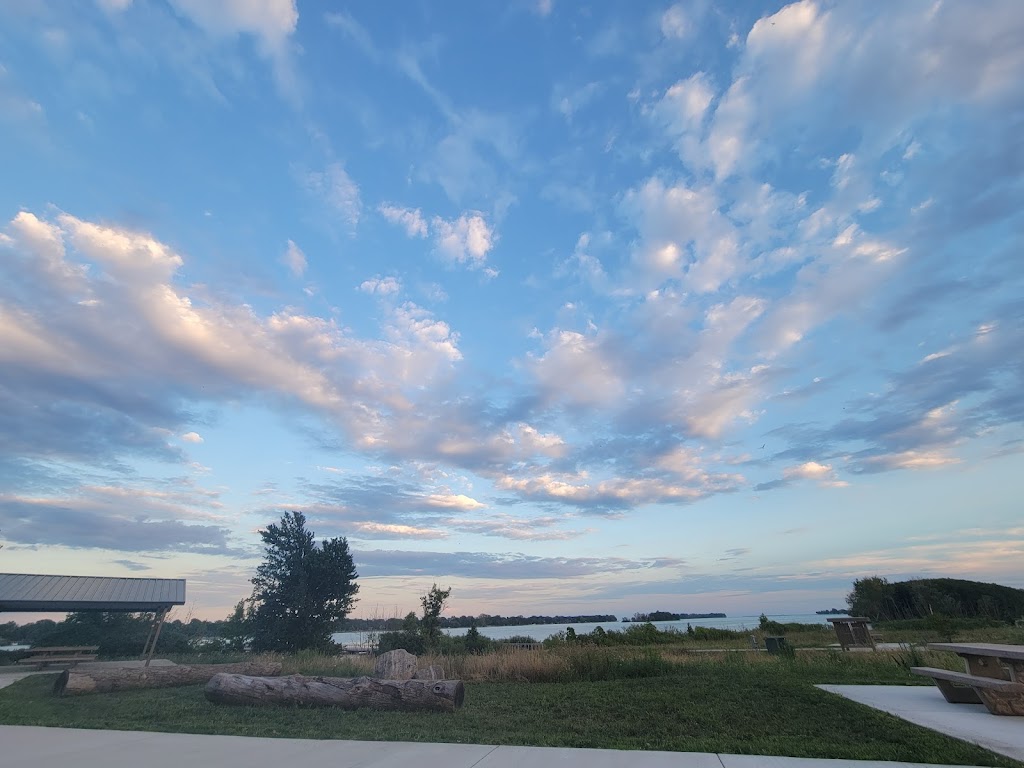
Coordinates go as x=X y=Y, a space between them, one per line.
x=994 y=676
x=60 y=654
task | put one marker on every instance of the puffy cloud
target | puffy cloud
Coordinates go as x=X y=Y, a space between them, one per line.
x=465 y=240
x=382 y=286
x=409 y=218
x=192 y=437
x=103 y=350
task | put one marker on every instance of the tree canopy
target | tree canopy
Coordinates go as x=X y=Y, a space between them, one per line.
x=882 y=600
x=302 y=591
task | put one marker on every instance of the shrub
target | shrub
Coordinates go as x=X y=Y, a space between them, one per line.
x=413 y=642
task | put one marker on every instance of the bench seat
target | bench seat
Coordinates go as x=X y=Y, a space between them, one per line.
x=1002 y=697
x=43 y=659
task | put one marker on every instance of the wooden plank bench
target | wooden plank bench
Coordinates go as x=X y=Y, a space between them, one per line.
x=1001 y=697
x=67 y=654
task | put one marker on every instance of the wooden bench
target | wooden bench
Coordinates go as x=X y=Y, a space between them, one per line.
x=1001 y=697
x=68 y=655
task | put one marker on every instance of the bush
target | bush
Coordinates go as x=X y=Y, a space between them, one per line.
x=413 y=642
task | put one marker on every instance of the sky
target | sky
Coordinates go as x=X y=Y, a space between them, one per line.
x=572 y=307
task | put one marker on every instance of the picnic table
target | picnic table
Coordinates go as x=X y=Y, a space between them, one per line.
x=854 y=632
x=994 y=676
x=63 y=654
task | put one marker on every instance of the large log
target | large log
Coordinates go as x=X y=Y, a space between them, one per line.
x=77 y=682
x=342 y=692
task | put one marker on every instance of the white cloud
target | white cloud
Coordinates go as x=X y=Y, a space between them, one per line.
x=543 y=7
x=465 y=240
x=294 y=259
x=270 y=22
x=823 y=474
x=409 y=218
x=338 y=191
x=577 y=369
x=192 y=437
x=141 y=326
x=674 y=24
x=453 y=501
x=381 y=286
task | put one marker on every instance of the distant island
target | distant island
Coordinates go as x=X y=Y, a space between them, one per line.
x=669 y=616
x=833 y=612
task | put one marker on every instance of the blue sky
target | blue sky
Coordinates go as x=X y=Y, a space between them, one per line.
x=573 y=307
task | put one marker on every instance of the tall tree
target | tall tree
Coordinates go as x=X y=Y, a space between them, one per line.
x=302 y=591
x=430 y=625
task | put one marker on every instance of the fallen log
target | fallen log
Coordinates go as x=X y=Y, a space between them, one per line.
x=77 y=682
x=342 y=692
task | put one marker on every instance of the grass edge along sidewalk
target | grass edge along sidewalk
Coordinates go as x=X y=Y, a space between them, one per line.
x=720 y=706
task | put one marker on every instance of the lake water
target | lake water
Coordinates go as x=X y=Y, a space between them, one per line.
x=541 y=631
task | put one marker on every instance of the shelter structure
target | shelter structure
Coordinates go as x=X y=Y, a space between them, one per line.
x=35 y=593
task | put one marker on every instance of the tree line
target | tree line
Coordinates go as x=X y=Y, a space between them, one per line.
x=881 y=600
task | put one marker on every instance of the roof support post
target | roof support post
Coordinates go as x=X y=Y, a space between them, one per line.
x=154 y=634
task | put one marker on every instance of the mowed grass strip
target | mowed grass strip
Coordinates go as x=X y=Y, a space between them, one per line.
x=732 y=706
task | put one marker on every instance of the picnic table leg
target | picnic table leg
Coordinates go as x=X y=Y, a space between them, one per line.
x=958 y=694
x=985 y=666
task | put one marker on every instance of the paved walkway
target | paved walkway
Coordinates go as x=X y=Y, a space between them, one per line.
x=32 y=747
x=924 y=705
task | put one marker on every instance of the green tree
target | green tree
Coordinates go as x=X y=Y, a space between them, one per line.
x=474 y=642
x=236 y=629
x=302 y=591
x=430 y=625
x=872 y=597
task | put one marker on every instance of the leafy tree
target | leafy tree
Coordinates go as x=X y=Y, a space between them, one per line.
x=474 y=642
x=872 y=597
x=236 y=629
x=430 y=625
x=302 y=591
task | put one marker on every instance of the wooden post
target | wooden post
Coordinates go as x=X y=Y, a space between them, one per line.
x=154 y=635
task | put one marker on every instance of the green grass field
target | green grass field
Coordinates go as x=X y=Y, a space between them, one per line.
x=735 y=703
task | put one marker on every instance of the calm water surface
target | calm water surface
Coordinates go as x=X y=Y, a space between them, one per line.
x=541 y=631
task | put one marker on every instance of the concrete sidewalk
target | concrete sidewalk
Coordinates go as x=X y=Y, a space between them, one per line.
x=32 y=747
x=924 y=705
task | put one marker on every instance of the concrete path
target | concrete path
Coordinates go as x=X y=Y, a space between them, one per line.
x=925 y=706
x=32 y=747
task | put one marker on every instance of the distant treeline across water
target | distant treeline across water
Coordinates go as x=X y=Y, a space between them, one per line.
x=486 y=620
x=541 y=631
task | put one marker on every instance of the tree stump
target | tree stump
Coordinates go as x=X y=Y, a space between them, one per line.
x=341 y=692
x=77 y=682
x=395 y=665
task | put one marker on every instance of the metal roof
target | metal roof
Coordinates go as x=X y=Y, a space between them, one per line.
x=31 y=592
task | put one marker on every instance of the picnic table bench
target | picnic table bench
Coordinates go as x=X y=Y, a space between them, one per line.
x=994 y=676
x=67 y=654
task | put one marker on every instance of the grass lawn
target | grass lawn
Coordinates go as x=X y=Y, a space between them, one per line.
x=734 y=705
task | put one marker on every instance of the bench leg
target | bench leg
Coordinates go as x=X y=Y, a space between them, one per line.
x=1000 y=703
x=958 y=694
